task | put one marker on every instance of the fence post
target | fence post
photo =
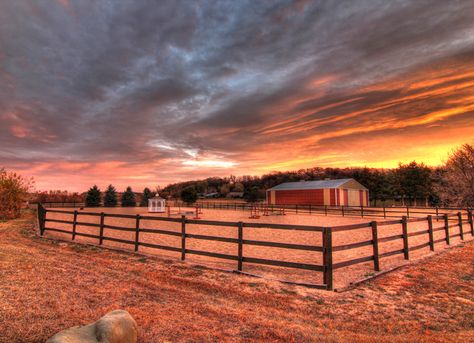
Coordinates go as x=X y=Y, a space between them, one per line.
x=240 y=249
x=137 y=231
x=362 y=211
x=41 y=218
x=327 y=257
x=183 y=238
x=408 y=212
x=446 y=228
x=375 y=244
x=309 y=208
x=342 y=209
x=405 y=238
x=430 y=231
x=326 y=210
x=296 y=209
x=384 y=212
x=101 y=232
x=469 y=218
x=74 y=223
x=437 y=214
x=460 y=225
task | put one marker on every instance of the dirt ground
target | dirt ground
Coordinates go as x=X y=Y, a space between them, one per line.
x=47 y=286
x=342 y=277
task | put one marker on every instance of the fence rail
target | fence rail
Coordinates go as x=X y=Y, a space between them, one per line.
x=327 y=249
x=358 y=211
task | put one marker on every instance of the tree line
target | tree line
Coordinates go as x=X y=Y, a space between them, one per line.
x=451 y=184
x=93 y=197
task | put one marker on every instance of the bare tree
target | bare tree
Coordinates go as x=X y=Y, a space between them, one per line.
x=456 y=187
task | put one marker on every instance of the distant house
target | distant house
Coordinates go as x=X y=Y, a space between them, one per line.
x=235 y=195
x=341 y=192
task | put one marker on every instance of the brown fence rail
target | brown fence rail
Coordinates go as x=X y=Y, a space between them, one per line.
x=453 y=226
x=358 y=211
x=354 y=211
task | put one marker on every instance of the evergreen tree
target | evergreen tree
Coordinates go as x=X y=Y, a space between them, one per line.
x=93 y=197
x=252 y=194
x=110 y=198
x=189 y=195
x=128 y=198
x=413 y=181
x=147 y=194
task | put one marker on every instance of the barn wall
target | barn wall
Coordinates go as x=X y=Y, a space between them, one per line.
x=300 y=197
x=327 y=197
x=353 y=196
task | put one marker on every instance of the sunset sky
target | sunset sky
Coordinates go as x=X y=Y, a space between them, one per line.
x=146 y=93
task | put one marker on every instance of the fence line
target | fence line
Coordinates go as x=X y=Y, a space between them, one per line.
x=359 y=211
x=327 y=249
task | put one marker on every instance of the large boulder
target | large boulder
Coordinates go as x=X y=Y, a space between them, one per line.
x=115 y=327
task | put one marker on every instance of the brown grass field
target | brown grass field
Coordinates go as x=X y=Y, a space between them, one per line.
x=47 y=286
x=342 y=276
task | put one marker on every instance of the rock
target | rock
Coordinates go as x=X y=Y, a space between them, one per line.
x=115 y=327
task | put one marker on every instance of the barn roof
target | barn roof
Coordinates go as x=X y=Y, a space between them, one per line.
x=320 y=184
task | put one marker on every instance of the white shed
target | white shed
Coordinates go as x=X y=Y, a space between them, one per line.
x=157 y=204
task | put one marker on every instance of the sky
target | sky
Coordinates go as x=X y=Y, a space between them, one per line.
x=146 y=93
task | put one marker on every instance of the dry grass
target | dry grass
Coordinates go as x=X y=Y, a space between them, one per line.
x=46 y=286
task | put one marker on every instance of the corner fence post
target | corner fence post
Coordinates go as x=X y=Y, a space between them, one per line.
x=460 y=225
x=183 y=238
x=405 y=238
x=241 y=243
x=446 y=228
x=137 y=231
x=101 y=234
x=327 y=258
x=430 y=231
x=375 y=244
x=74 y=225
x=469 y=217
x=41 y=218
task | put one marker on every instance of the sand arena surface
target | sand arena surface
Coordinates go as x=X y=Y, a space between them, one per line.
x=342 y=276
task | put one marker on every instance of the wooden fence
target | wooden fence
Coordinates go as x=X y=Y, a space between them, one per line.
x=450 y=222
x=358 y=211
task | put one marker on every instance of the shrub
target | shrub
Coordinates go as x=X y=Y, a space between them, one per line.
x=128 y=198
x=189 y=195
x=13 y=193
x=93 y=197
x=110 y=197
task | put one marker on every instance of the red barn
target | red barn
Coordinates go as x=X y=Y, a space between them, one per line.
x=341 y=192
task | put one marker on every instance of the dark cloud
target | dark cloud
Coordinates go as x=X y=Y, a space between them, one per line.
x=137 y=81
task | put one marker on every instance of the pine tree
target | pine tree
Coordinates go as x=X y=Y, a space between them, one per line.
x=110 y=198
x=147 y=194
x=128 y=198
x=189 y=195
x=93 y=197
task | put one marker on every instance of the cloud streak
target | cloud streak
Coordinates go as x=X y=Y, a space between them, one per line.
x=143 y=93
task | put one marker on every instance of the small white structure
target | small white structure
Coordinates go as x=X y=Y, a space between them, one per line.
x=157 y=204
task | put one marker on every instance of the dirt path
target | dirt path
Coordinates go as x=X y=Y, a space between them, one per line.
x=46 y=286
